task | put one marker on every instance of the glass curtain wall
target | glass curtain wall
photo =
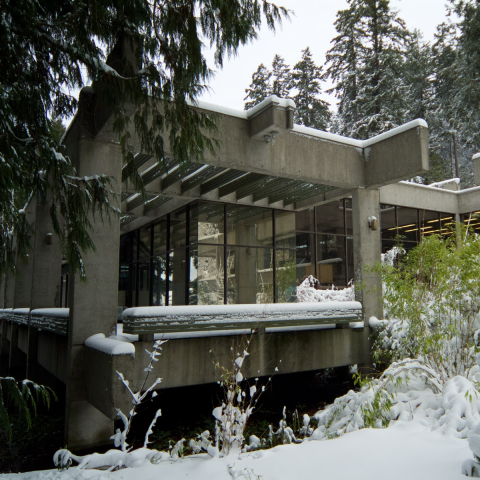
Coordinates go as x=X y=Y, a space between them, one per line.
x=405 y=227
x=209 y=253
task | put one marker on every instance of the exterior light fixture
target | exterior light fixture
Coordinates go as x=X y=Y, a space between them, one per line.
x=373 y=223
x=49 y=239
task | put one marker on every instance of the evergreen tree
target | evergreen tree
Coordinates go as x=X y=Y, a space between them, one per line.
x=281 y=77
x=310 y=111
x=43 y=48
x=366 y=61
x=344 y=60
x=260 y=87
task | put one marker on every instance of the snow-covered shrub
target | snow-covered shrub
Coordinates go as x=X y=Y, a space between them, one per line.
x=405 y=390
x=309 y=291
x=432 y=299
x=240 y=399
x=125 y=457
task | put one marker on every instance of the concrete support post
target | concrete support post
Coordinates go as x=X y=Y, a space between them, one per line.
x=16 y=358
x=93 y=305
x=9 y=290
x=366 y=251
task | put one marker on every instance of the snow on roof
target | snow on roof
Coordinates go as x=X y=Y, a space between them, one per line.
x=359 y=143
x=52 y=312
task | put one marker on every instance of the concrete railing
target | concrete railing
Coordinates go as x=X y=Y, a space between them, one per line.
x=53 y=320
x=191 y=318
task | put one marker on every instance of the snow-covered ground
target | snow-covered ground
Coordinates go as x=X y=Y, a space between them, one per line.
x=404 y=451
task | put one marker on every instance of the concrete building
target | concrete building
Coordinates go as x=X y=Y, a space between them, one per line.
x=276 y=203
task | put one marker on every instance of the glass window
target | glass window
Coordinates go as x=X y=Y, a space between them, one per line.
x=160 y=237
x=350 y=261
x=348 y=216
x=447 y=223
x=286 y=275
x=429 y=222
x=207 y=223
x=330 y=218
x=178 y=277
x=331 y=260
x=472 y=220
x=159 y=280
x=178 y=228
x=249 y=275
x=304 y=221
x=408 y=224
x=206 y=275
x=285 y=229
x=249 y=226
x=143 y=283
x=388 y=223
x=145 y=242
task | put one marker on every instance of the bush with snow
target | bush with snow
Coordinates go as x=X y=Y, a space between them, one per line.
x=309 y=291
x=432 y=302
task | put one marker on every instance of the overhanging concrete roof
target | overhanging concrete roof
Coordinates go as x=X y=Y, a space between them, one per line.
x=266 y=160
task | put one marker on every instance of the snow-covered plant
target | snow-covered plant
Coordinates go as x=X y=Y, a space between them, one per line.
x=238 y=404
x=309 y=291
x=125 y=457
x=120 y=437
x=432 y=299
x=23 y=397
x=371 y=406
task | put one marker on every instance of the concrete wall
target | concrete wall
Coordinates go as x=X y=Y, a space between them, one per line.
x=191 y=361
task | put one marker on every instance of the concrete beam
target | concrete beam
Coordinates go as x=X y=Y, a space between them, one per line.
x=424 y=197
x=397 y=155
x=476 y=168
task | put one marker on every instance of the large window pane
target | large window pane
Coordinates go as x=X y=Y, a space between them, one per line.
x=388 y=223
x=249 y=275
x=330 y=218
x=348 y=216
x=304 y=221
x=206 y=275
x=145 y=242
x=207 y=223
x=160 y=237
x=178 y=277
x=447 y=224
x=429 y=222
x=350 y=261
x=331 y=260
x=159 y=280
x=249 y=226
x=178 y=229
x=472 y=221
x=408 y=224
x=143 y=283
x=286 y=275
x=285 y=229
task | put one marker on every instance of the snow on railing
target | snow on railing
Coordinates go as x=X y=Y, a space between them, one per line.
x=49 y=319
x=216 y=317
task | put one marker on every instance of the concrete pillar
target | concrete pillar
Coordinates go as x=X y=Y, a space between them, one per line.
x=367 y=251
x=9 y=290
x=16 y=358
x=93 y=305
x=476 y=168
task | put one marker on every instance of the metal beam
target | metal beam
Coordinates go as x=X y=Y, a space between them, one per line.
x=222 y=179
x=201 y=177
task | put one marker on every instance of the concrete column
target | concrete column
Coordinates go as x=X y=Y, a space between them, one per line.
x=9 y=290
x=93 y=305
x=16 y=358
x=367 y=251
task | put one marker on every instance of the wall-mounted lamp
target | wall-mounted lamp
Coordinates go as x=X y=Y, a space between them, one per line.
x=373 y=223
x=49 y=239
x=270 y=136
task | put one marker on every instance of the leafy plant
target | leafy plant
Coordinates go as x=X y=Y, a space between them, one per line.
x=22 y=396
x=432 y=299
